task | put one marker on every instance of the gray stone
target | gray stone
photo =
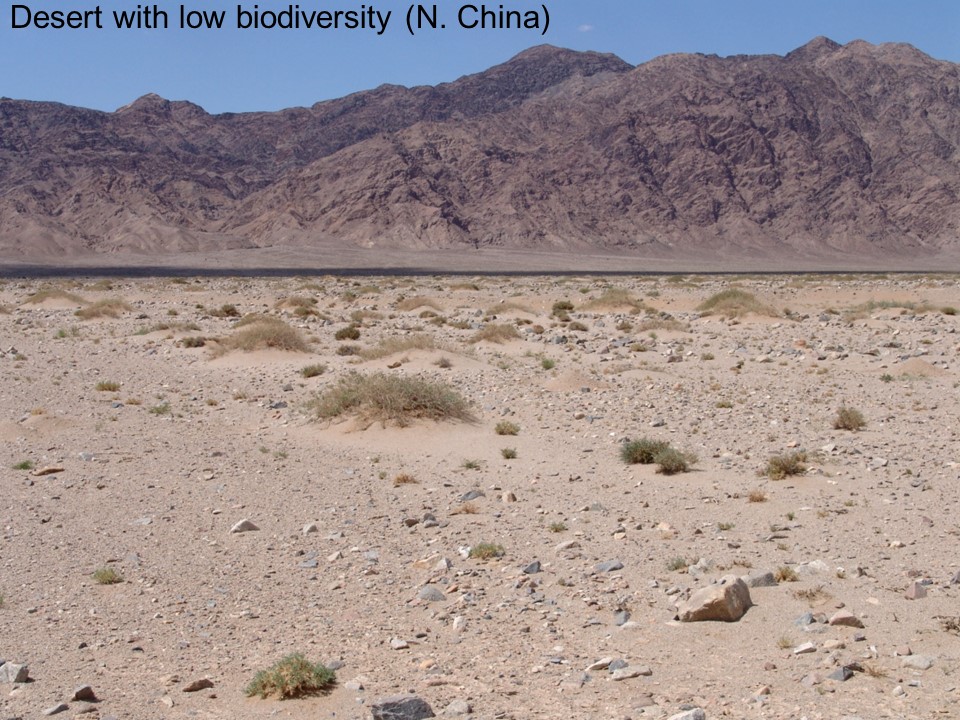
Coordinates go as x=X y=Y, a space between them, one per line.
x=760 y=578
x=841 y=674
x=846 y=619
x=472 y=495
x=621 y=617
x=533 y=568
x=198 y=685
x=243 y=526
x=727 y=601
x=310 y=528
x=601 y=664
x=917 y=662
x=915 y=591
x=13 y=673
x=631 y=671
x=617 y=664
x=56 y=709
x=431 y=593
x=457 y=708
x=84 y=693
x=609 y=566
x=807 y=647
x=695 y=714
x=399 y=644
x=401 y=707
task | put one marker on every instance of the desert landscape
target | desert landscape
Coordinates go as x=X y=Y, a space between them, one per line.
x=503 y=496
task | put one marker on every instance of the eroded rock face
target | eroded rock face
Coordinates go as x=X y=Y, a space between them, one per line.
x=726 y=600
x=849 y=149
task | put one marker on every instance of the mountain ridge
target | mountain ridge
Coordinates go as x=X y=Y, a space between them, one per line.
x=830 y=148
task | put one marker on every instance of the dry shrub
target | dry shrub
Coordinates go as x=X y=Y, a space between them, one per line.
x=509 y=306
x=390 y=398
x=614 y=298
x=393 y=345
x=264 y=333
x=849 y=418
x=293 y=676
x=108 y=307
x=414 y=303
x=734 y=302
x=404 y=479
x=54 y=294
x=495 y=333
x=781 y=466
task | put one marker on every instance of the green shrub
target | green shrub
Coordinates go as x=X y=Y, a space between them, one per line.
x=24 y=465
x=509 y=453
x=486 y=551
x=642 y=451
x=107 y=576
x=111 y=308
x=262 y=333
x=671 y=461
x=293 y=676
x=548 y=364
x=734 y=302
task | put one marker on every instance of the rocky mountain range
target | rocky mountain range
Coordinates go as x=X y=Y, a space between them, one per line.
x=851 y=149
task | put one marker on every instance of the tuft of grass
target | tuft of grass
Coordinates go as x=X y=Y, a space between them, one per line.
x=505 y=427
x=107 y=576
x=108 y=386
x=671 y=461
x=194 y=341
x=486 y=551
x=470 y=464
x=161 y=409
x=561 y=310
x=678 y=564
x=350 y=332
x=734 y=302
x=557 y=527
x=313 y=370
x=404 y=479
x=54 y=294
x=390 y=398
x=781 y=466
x=948 y=310
x=785 y=642
x=508 y=453
x=849 y=418
x=642 y=451
x=615 y=297
x=24 y=465
x=228 y=310
x=757 y=496
x=292 y=677
x=785 y=573
x=467 y=508
x=495 y=333
x=391 y=346
x=507 y=306
x=108 y=307
x=548 y=364
x=262 y=333
x=725 y=526
x=415 y=303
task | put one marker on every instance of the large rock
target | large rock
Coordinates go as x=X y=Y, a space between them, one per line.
x=726 y=600
x=13 y=673
x=401 y=707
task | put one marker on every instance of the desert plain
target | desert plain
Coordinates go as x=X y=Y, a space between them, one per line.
x=142 y=422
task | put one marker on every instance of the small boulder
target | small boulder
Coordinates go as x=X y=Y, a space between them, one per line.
x=846 y=619
x=401 y=707
x=13 y=673
x=726 y=600
x=243 y=526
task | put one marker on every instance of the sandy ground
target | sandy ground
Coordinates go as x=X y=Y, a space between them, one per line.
x=156 y=472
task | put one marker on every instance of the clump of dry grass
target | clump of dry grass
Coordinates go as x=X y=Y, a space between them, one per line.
x=404 y=479
x=414 y=303
x=757 y=496
x=108 y=307
x=849 y=418
x=785 y=573
x=263 y=333
x=390 y=398
x=467 y=508
x=615 y=298
x=664 y=324
x=54 y=294
x=293 y=676
x=864 y=310
x=495 y=333
x=781 y=466
x=507 y=306
x=393 y=345
x=734 y=302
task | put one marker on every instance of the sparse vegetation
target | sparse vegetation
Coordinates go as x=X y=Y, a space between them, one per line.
x=54 y=294
x=194 y=341
x=161 y=409
x=108 y=307
x=107 y=576
x=849 y=418
x=508 y=453
x=757 y=496
x=548 y=364
x=394 y=345
x=614 y=297
x=404 y=479
x=415 y=303
x=642 y=451
x=948 y=310
x=470 y=464
x=557 y=527
x=24 y=465
x=313 y=370
x=785 y=573
x=495 y=333
x=226 y=311
x=390 y=398
x=292 y=677
x=781 y=466
x=678 y=564
x=263 y=333
x=561 y=310
x=725 y=526
x=350 y=332
x=505 y=427
x=486 y=551
x=734 y=302
x=671 y=461
x=108 y=386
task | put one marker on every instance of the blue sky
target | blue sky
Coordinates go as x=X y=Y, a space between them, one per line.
x=239 y=70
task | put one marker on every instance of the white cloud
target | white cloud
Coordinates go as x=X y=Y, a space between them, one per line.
x=585 y=28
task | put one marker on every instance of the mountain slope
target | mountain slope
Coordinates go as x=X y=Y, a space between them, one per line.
x=846 y=149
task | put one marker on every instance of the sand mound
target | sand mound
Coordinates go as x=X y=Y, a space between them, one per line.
x=916 y=366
